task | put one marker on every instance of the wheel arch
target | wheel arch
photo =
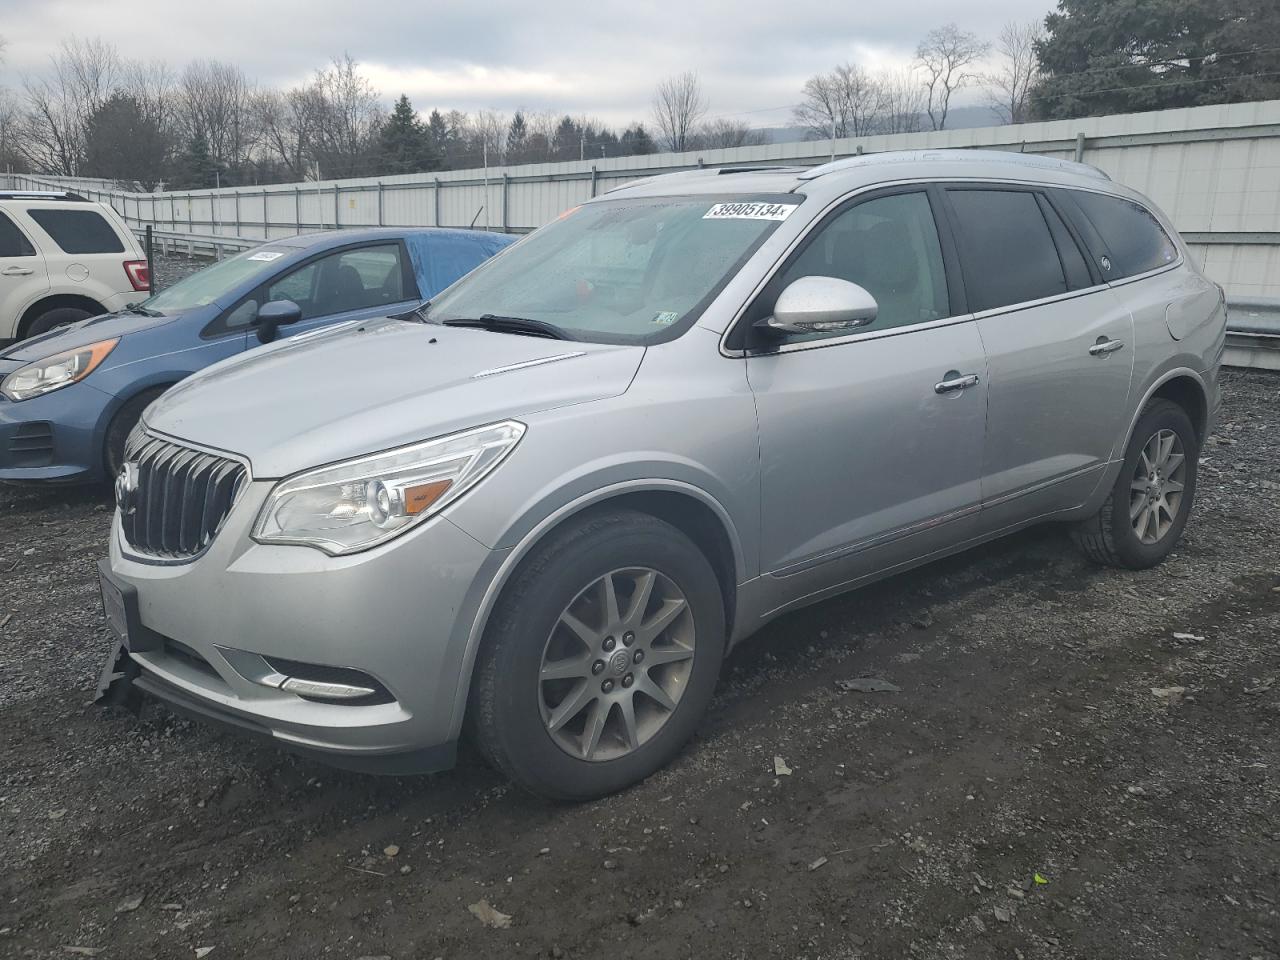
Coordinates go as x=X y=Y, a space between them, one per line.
x=1186 y=388
x=53 y=302
x=688 y=508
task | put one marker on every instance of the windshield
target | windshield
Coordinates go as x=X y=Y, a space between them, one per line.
x=621 y=271
x=207 y=285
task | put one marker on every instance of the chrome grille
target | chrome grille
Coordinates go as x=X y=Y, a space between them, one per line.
x=173 y=499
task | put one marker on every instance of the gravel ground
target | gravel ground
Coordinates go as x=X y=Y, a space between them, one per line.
x=1027 y=792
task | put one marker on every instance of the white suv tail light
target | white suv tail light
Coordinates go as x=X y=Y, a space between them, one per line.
x=139 y=274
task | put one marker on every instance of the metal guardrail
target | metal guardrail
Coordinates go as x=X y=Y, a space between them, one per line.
x=196 y=245
x=1253 y=333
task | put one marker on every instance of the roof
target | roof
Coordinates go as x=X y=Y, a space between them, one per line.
x=868 y=170
x=327 y=238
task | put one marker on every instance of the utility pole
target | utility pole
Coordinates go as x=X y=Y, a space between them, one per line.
x=582 y=146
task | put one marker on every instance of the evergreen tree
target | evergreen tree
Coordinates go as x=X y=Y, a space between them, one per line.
x=1122 y=56
x=404 y=143
x=636 y=141
x=194 y=168
x=124 y=142
x=517 y=138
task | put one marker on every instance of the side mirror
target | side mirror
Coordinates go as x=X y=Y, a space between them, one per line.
x=274 y=315
x=820 y=305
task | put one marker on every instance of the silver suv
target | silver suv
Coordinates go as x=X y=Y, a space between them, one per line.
x=545 y=507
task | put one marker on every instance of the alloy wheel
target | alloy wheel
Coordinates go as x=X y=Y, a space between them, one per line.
x=616 y=664
x=1157 y=485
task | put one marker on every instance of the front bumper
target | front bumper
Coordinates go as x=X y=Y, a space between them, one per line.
x=402 y=614
x=54 y=438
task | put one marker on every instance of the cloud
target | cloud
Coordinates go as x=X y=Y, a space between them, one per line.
x=600 y=59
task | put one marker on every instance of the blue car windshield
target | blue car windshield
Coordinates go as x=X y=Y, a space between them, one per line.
x=632 y=271
x=205 y=286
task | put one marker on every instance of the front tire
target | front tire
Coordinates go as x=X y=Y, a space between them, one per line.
x=121 y=425
x=1147 y=509
x=600 y=658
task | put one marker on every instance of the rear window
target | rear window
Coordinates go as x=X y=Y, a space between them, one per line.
x=13 y=242
x=78 y=231
x=1008 y=252
x=1135 y=240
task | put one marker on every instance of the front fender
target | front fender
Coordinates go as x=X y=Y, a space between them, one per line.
x=534 y=525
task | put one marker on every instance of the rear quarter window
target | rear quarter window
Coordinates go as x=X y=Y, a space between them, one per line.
x=1136 y=243
x=78 y=231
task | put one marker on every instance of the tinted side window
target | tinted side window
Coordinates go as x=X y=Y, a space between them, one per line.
x=1008 y=253
x=78 y=231
x=13 y=242
x=349 y=280
x=889 y=246
x=1068 y=250
x=1135 y=240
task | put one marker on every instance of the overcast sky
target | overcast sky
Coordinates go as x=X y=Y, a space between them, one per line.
x=600 y=58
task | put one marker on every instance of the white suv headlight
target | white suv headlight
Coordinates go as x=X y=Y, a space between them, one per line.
x=361 y=503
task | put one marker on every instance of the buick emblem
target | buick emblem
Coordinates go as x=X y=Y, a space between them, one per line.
x=126 y=487
x=619 y=662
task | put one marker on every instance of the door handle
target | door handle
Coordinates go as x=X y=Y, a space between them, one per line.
x=1105 y=347
x=956 y=382
x=17 y=271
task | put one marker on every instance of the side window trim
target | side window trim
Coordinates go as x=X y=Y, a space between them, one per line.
x=1076 y=219
x=1054 y=198
x=1086 y=225
x=739 y=339
x=1057 y=227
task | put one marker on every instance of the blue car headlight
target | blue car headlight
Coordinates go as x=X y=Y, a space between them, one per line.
x=55 y=372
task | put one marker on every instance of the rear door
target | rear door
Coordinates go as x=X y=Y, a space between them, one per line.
x=24 y=278
x=1059 y=350
x=870 y=443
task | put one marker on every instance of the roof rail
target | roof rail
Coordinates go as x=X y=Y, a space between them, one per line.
x=954 y=155
x=40 y=195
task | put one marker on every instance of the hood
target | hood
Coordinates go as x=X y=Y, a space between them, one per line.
x=346 y=392
x=82 y=334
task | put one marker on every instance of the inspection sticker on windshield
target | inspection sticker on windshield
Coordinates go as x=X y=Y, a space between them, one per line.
x=754 y=210
x=267 y=255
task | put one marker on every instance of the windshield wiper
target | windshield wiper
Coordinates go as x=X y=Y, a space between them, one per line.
x=140 y=310
x=520 y=325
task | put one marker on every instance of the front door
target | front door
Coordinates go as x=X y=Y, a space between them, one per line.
x=871 y=443
x=23 y=276
x=1059 y=351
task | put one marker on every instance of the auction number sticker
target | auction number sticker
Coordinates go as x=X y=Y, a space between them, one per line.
x=750 y=210
x=267 y=255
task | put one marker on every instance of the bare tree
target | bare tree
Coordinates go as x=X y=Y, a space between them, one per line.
x=678 y=108
x=287 y=121
x=723 y=133
x=844 y=102
x=1018 y=72
x=83 y=76
x=946 y=56
x=350 y=118
x=214 y=102
x=904 y=101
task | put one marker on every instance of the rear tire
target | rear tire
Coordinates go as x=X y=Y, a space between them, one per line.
x=122 y=424
x=57 y=317
x=1147 y=509
x=643 y=675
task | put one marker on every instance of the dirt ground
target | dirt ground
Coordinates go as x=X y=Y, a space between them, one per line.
x=1025 y=794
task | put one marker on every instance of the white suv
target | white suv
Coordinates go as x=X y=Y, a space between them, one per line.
x=62 y=259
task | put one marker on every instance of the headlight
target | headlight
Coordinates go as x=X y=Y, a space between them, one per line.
x=56 y=372
x=361 y=503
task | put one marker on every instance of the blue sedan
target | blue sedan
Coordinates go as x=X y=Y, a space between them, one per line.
x=69 y=398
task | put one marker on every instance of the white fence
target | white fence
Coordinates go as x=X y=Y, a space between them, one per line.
x=1215 y=170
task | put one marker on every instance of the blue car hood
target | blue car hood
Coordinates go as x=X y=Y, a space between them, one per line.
x=82 y=334
x=371 y=386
